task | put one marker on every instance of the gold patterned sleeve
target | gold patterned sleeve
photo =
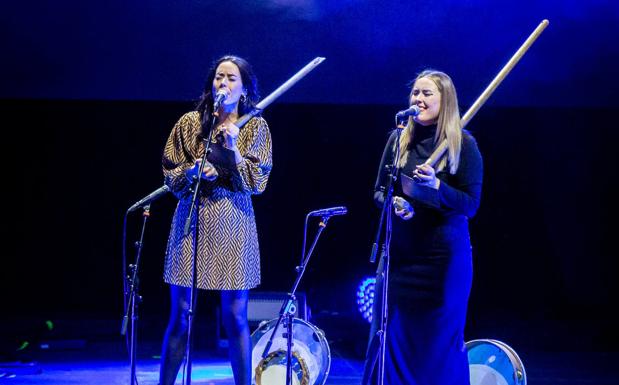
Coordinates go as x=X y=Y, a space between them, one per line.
x=254 y=170
x=177 y=158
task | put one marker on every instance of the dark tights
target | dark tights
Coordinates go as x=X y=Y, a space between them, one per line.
x=234 y=314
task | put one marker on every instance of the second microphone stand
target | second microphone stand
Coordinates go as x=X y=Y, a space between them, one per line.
x=288 y=308
x=133 y=299
x=376 y=348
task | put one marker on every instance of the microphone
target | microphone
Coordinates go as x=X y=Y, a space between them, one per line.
x=149 y=198
x=220 y=97
x=412 y=111
x=331 y=211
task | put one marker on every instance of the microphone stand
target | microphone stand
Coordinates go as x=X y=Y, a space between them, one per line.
x=376 y=349
x=196 y=224
x=131 y=308
x=288 y=309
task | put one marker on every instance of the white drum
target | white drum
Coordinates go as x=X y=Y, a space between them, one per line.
x=493 y=362
x=311 y=357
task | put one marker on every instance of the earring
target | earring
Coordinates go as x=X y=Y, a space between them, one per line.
x=243 y=98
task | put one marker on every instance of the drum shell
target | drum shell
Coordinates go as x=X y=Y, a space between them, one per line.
x=493 y=362
x=312 y=356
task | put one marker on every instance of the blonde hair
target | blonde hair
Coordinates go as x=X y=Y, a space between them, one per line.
x=448 y=125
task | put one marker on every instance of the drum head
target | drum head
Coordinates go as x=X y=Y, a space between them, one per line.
x=493 y=362
x=311 y=355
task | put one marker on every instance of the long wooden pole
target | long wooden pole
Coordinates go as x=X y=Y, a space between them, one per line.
x=280 y=90
x=442 y=148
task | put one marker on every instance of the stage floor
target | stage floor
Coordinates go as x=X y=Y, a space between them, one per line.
x=106 y=363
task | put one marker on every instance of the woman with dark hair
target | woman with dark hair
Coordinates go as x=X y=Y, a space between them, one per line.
x=430 y=255
x=227 y=251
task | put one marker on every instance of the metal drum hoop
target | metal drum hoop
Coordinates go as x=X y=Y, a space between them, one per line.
x=518 y=376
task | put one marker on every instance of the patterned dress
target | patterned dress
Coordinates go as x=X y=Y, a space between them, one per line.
x=228 y=256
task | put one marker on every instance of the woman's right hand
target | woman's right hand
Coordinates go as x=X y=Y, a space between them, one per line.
x=209 y=173
x=402 y=208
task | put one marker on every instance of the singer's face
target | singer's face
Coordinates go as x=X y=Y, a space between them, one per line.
x=228 y=77
x=427 y=97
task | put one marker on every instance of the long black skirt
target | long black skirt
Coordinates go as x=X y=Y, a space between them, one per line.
x=430 y=277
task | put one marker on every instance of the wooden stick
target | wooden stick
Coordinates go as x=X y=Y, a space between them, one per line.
x=442 y=148
x=280 y=90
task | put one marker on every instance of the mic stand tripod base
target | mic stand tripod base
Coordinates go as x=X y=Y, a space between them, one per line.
x=132 y=316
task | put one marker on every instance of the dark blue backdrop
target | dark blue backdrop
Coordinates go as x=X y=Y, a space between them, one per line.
x=159 y=50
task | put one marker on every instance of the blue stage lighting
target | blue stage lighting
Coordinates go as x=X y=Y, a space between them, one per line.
x=365 y=297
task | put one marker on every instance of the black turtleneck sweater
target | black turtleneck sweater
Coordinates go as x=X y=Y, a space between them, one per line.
x=424 y=247
x=458 y=194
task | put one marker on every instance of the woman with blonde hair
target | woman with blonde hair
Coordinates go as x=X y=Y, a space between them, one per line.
x=430 y=251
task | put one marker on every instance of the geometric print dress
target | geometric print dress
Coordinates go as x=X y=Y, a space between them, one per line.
x=228 y=255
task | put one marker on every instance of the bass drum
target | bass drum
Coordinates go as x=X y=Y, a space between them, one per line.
x=311 y=357
x=493 y=362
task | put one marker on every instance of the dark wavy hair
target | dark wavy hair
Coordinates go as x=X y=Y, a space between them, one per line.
x=250 y=84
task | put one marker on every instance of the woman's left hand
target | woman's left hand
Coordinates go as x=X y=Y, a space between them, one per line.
x=230 y=133
x=402 y=208
x=425 y=175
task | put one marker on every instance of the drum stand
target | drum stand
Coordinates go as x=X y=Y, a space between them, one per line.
x=376 y=348
x=288 y=308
